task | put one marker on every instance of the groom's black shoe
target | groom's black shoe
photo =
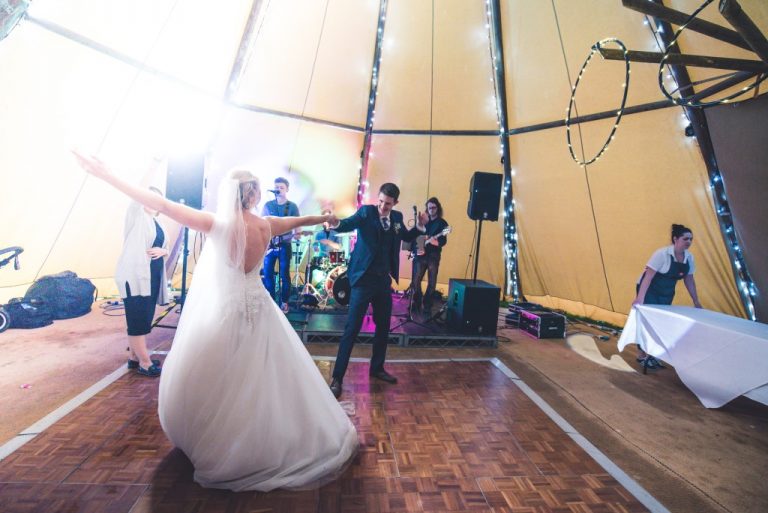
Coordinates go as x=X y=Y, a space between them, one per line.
x=384 y=376
x=336 y=388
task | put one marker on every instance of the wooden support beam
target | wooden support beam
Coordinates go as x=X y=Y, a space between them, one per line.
x=701 y=61
x=608 y=114
x=679 y=18
x=732 y=11
x=722 y=86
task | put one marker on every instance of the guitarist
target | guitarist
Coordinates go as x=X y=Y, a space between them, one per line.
x=280 y=245
x=428 y=259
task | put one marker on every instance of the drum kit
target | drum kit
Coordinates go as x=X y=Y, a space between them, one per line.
x=323 y=263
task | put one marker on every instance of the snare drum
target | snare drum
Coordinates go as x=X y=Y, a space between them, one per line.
x=336 y=257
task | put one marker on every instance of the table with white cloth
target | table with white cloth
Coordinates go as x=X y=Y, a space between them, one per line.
x=719 y=357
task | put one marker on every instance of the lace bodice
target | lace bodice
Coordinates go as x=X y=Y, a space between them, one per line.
x=256 y=294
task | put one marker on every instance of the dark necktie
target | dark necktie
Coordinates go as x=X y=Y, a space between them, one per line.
x=385 y=223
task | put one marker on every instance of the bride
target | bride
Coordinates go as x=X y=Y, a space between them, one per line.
x=239 y=393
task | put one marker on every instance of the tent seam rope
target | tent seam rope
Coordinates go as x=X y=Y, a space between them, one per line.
x=586 y=174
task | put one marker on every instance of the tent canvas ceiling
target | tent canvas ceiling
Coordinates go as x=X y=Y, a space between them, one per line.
x=283 y=87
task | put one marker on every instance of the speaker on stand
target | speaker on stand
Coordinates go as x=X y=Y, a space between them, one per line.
x=484 y=198
x=184 y=183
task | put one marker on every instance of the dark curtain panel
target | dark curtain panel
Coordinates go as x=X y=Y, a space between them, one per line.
x=740 y=137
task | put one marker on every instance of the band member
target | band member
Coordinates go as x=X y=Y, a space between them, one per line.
x=280 y=245
x=428 y=259
x=326 y=239
x=373 y=263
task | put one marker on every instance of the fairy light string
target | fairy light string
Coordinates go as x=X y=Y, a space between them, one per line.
x=363 y=185
x=619 y=113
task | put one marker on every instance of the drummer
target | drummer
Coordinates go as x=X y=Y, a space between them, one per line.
x=326 y=240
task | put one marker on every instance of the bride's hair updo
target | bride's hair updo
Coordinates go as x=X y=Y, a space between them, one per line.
x=249 y=185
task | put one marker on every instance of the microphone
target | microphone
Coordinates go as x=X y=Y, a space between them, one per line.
x=16 y=264
x=273 y=191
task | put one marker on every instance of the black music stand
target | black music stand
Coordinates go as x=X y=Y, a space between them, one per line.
x=297 y=286
x=409 y=315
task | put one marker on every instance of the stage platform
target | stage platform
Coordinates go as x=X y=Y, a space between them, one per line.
x=424 y=329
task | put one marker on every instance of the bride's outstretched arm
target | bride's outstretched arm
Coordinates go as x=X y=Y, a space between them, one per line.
x=286 y=224
x=194 y=219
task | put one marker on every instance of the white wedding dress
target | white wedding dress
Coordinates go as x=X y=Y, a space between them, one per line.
x=240 y=394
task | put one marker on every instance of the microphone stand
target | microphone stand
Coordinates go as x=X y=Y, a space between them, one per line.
x=411 y=287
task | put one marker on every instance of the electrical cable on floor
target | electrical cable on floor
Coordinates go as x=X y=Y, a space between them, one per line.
x=113 y=306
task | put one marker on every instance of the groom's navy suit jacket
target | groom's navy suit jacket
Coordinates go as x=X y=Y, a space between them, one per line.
x=367 y=222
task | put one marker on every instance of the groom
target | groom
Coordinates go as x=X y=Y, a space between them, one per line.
x=374 y=262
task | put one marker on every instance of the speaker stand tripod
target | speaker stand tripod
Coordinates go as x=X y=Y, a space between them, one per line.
x=183 y=296
x=409 y=316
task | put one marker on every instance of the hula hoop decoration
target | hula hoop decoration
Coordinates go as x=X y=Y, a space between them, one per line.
x=625 y=86
x=687 y=103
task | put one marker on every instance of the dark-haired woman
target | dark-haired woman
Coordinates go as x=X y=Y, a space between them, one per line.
x=665 y=268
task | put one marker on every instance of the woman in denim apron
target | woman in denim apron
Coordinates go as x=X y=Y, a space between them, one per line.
x=665 y=268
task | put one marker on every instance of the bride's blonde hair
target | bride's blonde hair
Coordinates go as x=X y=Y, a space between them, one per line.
x=249 y=185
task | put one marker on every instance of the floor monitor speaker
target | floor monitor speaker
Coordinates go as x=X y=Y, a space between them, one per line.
x=473 y=306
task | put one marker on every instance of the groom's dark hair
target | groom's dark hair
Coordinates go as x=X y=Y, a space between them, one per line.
x=390 y=190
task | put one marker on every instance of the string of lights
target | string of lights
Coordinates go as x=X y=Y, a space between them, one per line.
x=681 y=100
x=625 y=87
x=744 y=284
x=363 y=185
x=493 y=24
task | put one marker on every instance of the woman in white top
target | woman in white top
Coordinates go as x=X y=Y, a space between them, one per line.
x=239 y=393
x=141 y=281
x=668 y=265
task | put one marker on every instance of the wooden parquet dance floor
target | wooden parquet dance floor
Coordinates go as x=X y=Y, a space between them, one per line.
x=451 y=436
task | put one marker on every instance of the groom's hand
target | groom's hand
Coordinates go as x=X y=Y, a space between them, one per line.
x=332 y=221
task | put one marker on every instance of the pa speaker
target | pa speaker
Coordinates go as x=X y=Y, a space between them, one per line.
x=185 y=180
x=473 y=306
x=484 y=196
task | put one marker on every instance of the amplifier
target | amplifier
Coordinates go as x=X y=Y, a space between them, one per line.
x=473 y=306
x=542 y=324
x=512 y=319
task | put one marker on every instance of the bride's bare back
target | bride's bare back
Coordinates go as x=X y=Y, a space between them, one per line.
x=257 y=235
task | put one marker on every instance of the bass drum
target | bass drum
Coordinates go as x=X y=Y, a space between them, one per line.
x=338 y=284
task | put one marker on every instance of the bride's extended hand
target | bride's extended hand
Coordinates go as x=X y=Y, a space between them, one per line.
x=92 y=165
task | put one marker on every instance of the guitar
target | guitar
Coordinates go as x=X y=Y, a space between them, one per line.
x=423 y=240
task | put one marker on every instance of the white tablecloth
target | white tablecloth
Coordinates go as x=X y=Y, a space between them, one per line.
x=717 y=356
